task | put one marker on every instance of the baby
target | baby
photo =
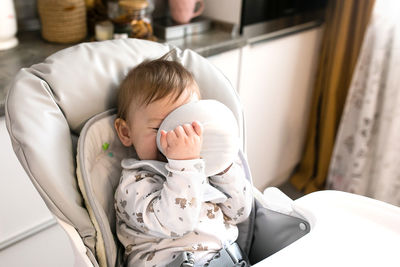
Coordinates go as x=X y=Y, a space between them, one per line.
x=160 y=212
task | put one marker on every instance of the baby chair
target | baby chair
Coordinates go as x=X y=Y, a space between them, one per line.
x=52 y=104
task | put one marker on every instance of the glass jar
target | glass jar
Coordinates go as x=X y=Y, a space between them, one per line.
x=132 y=17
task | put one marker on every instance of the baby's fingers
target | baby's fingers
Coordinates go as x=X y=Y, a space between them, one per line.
x=198 y=128
x=188 y=129
x=163 y=141
x=179 y=131
x=171 y=137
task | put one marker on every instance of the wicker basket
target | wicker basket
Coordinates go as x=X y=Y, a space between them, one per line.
x=63 y=21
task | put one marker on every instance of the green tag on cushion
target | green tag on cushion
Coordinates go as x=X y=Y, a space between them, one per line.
x=105 y=146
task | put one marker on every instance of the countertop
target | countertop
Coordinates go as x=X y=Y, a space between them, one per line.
x=33 y=49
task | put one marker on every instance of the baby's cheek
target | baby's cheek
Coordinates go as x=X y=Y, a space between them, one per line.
x=152 y=145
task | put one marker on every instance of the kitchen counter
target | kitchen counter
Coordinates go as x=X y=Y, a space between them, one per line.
x=33 y=49
x=30 y=50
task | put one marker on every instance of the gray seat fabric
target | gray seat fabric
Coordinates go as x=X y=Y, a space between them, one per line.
x=48 y=104
x=274 y=231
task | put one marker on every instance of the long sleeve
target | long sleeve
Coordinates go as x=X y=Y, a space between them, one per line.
x=235 y=186
x=162 y=207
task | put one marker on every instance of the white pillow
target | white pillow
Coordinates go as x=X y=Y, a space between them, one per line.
x=220 y=132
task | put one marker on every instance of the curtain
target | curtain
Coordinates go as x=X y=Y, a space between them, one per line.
x=366 y=158
x=345 y=24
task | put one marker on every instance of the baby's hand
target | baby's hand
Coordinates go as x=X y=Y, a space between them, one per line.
x=184 y=142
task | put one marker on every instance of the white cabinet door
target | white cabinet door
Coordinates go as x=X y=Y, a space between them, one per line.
x=29 y=233
x=276 y=85
x=228 y=62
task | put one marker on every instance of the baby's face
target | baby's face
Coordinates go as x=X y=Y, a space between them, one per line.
x=145 y=121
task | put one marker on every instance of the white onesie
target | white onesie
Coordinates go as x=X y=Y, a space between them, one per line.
x=160 y=211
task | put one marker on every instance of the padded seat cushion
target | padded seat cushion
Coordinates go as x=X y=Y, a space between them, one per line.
x=100 y=153
x=98 y=170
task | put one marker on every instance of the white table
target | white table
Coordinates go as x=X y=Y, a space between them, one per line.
x=346 y=230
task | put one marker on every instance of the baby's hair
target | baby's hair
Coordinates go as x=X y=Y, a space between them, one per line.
x=152 y=80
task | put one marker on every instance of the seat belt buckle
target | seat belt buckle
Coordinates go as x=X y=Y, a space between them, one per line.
x=188 y=260
x=234 y=252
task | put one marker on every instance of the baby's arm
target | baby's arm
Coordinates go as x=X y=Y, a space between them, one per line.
x=163 y=208
x=238 y=190
x=168 y=208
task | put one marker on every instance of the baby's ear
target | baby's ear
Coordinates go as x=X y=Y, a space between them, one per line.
x=123 y=132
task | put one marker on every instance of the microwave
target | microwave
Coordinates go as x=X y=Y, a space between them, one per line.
x=264 y=16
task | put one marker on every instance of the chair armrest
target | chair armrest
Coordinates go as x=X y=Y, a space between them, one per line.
x=275 y=199
x=273 y=231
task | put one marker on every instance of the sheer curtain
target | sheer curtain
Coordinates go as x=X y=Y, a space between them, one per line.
x=344 y=29
x=366 y=157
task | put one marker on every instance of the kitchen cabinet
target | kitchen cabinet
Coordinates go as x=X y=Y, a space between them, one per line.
x=29 y=233
x=276 y=82
x=228 y=63
x=274 y=79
